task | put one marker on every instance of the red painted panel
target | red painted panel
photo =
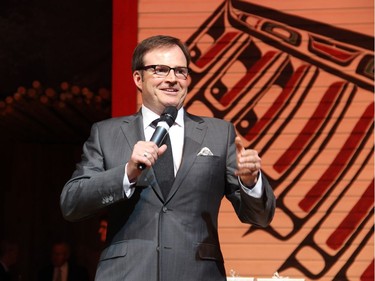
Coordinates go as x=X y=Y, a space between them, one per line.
x=125 y=31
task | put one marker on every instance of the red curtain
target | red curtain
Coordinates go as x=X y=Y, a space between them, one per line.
x=125 y=30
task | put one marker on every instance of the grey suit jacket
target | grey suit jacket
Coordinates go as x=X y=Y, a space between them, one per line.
x=151 y=238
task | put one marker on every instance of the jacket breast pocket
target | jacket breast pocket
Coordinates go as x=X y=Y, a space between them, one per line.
x=214 y=163
x=208 y=171
x=208 y=159
x=113 y=251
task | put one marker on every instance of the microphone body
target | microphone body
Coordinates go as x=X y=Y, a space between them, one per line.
x=161 y=131
x=162 y=128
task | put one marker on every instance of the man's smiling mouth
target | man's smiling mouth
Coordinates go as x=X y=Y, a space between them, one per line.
x=170 y=90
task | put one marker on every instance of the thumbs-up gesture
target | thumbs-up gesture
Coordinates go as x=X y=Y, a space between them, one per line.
x=248 y=163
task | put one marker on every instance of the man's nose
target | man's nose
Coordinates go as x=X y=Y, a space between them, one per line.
x=171 y=76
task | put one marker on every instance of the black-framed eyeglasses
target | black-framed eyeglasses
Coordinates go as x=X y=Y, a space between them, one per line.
x=161 y=70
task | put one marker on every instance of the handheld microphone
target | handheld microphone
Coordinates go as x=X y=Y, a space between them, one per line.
x=165 y=122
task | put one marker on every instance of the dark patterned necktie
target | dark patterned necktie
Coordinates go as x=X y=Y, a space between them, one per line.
x=163 y=167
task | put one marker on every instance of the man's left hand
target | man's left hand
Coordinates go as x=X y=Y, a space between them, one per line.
x=248 y=164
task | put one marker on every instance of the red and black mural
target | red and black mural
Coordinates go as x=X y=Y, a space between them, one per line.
x=301 y=93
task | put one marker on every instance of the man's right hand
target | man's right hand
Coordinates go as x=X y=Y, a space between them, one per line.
x=144 y=152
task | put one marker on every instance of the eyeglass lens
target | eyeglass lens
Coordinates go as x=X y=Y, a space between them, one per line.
x=163 y=70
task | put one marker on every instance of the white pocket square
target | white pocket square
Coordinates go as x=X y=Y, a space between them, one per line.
x=205 y=151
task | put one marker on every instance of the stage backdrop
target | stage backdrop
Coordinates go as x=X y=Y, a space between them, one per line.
x=296 y=78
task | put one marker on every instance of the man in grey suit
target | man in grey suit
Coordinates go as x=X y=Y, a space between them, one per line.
x=156 y=234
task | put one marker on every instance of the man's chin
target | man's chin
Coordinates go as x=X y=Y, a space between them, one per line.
x=172 y=103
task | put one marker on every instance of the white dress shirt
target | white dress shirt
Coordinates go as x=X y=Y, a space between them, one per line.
x=176 y=135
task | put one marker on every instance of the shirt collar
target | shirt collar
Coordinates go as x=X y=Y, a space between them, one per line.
x=149 y=116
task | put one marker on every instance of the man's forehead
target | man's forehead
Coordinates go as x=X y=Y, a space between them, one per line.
x=165 y=54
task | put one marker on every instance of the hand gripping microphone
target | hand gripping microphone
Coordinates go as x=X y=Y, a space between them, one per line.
x=165 y=122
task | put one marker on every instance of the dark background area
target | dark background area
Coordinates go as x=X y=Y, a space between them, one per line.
x=55 y=77
x=55 y=41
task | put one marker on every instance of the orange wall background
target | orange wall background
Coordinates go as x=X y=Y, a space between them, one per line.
x=296 y=78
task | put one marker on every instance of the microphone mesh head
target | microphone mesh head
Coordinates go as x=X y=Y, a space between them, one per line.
x=169 y=115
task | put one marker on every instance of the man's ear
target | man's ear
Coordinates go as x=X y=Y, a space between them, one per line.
x=138 y=79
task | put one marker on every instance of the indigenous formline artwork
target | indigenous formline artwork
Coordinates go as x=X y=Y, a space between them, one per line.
x=301 y=93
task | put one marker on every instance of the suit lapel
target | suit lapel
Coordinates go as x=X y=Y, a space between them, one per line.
x=195 y=130
x=132 y=128
x=133 y=131
x=134 y=125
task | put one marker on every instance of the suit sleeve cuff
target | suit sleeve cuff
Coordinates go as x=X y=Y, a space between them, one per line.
x=256 y=190
x=127 y=185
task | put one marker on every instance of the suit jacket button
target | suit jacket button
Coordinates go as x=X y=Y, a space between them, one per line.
x=165 y=209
